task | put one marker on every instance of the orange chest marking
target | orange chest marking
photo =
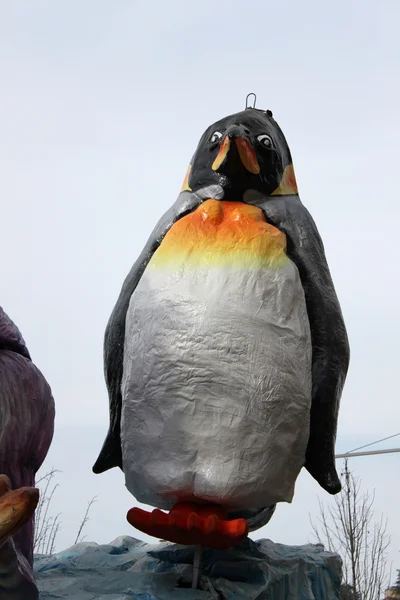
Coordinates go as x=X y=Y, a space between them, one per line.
x=222 y=233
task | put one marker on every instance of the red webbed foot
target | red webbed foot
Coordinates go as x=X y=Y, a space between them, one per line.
x=191 y=524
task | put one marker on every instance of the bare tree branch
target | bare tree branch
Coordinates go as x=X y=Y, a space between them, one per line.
x=348 y=528
x=46 y=527
x=84 y=520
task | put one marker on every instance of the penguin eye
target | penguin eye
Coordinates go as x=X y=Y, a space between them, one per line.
x=217 y=135
x=265 y=140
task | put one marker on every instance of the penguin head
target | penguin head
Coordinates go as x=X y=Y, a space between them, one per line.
x=245 y=151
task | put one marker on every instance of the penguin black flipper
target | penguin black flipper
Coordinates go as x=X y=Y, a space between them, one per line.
x=330 y=348
x=111 y=455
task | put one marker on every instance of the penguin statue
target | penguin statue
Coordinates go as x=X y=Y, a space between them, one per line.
x=26 y=431
x=226 y=353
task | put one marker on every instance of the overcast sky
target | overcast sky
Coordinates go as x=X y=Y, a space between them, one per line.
x=101 y=106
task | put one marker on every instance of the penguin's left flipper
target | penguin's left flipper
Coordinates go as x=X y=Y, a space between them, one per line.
x=110 y=455
x=16 y=507
x=330 y=348
x=191 y=525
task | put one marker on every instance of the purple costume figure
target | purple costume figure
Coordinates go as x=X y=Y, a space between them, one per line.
x=26 y=431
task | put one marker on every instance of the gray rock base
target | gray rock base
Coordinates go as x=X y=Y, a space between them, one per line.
x=128 y=569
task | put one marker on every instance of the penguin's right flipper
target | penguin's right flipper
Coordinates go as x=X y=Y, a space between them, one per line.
x=110 y=455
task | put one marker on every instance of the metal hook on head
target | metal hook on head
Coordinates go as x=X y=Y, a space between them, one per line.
x=247 y=100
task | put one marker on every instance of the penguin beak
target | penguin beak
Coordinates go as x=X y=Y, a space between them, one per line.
x=246 y=152
x=16 y=508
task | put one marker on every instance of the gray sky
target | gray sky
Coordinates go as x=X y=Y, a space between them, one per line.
x=101 y=106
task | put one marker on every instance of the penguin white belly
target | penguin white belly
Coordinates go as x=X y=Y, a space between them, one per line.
x=216 y=388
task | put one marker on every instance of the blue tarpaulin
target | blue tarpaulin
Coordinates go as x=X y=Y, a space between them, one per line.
x=128 y=568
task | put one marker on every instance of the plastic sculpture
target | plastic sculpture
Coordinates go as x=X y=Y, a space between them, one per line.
x=26 y=431
x=226 y=353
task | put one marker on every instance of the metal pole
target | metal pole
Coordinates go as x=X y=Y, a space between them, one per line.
x=368 y=453
x=198 y=551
